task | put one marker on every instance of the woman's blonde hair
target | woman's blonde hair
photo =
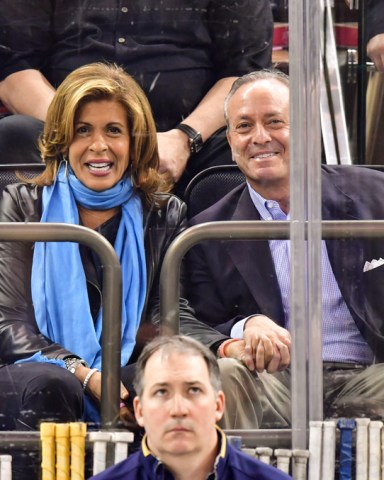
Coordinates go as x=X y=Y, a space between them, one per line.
x=101 y=81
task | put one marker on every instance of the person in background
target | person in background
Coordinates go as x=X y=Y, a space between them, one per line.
x=242 y=288
x=185 y=58
x=375 y=33
x=179 y=402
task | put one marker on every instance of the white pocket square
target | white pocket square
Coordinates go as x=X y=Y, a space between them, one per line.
x=374 y=264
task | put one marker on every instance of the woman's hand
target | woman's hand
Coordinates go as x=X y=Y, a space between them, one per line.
x=126 y=415
x=94 y=390
x=94 y=383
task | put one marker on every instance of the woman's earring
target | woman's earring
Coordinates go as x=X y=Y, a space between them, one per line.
x=65 y=160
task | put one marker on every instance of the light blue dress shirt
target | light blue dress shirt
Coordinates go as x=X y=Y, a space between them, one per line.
x=342 y=340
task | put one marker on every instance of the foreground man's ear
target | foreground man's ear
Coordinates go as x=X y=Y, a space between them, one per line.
x=138 y=411
x=220 y=405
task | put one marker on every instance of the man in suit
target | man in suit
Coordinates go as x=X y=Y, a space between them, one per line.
x=242 y=288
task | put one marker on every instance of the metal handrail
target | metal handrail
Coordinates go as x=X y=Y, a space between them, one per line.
x=111 y=298
x=231 y=230
x=170 y=272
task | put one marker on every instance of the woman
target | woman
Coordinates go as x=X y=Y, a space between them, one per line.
x=99 y=147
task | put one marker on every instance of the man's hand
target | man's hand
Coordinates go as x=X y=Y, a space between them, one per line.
x=207 y=118
x=173 y=153
x=375 y=51
x=266 y=346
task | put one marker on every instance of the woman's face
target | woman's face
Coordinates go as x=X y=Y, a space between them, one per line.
x=99 y=152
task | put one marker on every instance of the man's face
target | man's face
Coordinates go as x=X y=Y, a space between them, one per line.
x=258 y=133
x=179 y=407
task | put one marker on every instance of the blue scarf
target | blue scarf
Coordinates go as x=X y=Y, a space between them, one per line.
x=59 y=289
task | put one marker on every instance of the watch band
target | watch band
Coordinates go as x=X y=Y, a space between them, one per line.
x=195 y=138
x=71 y=363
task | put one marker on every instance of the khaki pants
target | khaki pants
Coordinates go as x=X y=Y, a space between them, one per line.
x=263 y=400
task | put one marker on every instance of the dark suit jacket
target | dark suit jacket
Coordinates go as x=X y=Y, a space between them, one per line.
x=230 y=280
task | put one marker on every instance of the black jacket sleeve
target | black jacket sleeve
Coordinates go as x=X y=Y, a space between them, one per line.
x=242 y=35
x=25 y=35
x=19 y=334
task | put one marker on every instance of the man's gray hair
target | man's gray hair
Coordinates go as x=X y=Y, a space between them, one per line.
x=183 y=345
x=265 y=74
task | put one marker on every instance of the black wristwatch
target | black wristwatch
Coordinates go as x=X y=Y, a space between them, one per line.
x=195 y=138
x=71 y=363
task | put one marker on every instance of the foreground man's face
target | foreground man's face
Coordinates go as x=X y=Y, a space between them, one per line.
x=179 y=407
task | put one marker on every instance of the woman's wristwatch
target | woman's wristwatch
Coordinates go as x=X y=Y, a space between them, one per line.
x=71 y=363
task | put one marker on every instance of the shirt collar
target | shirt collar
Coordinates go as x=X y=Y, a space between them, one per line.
x=260 y=203
x=222 y=439
x=144 y=446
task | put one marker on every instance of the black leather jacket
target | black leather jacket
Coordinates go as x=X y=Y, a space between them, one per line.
x=19 y=335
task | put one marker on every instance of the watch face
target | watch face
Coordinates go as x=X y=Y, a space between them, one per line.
x=73 y=364
x=197 y=144
x=195 y=139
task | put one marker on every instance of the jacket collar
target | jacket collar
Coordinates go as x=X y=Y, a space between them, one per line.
x=157 y=470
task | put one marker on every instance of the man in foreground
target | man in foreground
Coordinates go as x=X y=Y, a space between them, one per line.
x=179 y=401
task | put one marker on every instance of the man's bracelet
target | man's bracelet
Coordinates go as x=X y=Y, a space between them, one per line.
x=88 y=377
x=223 y=347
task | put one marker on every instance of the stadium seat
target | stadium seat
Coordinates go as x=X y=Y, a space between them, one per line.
x=8 y=173
x=210 y=185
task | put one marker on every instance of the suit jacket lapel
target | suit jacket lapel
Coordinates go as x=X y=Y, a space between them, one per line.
x=345 y=255
x=254 y=263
